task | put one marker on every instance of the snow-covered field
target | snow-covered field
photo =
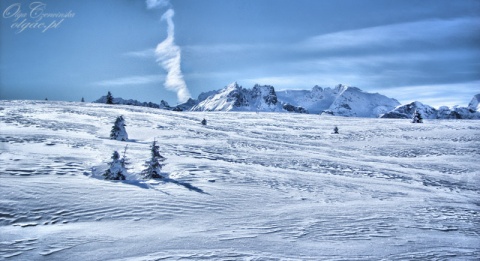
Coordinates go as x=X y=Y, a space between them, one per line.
x=248 y=186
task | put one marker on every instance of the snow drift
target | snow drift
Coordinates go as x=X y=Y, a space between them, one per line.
x=247 y=186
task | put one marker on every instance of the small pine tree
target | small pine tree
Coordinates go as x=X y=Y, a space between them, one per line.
x=109 y=98
x=417 y=117
x=82 y=100
x=335 y=130
x=153 y=166
x=118 y=131
x=204 y=122
x=117 y=170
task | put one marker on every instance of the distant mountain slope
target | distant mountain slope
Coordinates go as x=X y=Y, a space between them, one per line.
x=353 y=102
x=340 y=101
x=406 y=111
x=163 y=104
x=315 y=101
x=236 y=98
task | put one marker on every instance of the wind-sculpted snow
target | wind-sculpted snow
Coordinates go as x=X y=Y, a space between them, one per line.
x=247 y=186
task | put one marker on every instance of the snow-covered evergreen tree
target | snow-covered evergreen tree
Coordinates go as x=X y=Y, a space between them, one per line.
x=417 y=117
x=117 y=170
x=118 y=131
x=335 y=130
x=204 y=122
x=109 y=98
x=153 y=166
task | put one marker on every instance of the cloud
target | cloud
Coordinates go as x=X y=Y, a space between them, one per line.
x=395 y=34
x=147 y=53
x=156 y=3
x=284 y=82
x=435 y=95
x=132 y=80
x=169 y=57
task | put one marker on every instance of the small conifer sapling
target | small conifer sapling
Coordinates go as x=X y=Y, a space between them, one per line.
x=118 y=131
x=335 y=130
x=154 y=165
x=117 y=170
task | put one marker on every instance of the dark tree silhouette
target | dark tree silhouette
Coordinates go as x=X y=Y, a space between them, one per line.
x=417 y=117
x=109 y=98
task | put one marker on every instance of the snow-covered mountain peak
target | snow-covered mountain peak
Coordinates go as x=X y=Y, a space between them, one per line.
x=340 y=100
x=474 y=104
x=341 y=88
x=236 y=98
x=353 y=102
x=266 y=93
x=317 y=89
x=233 y=95
x=232 y=86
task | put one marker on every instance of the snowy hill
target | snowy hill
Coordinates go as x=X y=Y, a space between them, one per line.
x=246 y=186
x=406 y=111
x=117 y=100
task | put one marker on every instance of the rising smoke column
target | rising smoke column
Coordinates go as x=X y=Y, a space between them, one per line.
x=169 y=54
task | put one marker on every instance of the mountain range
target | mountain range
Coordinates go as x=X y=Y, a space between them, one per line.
x=340 y=101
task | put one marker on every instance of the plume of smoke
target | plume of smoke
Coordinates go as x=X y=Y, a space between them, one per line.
x=169 y=54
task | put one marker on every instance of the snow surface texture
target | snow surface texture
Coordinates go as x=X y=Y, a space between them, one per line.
x=247 y=186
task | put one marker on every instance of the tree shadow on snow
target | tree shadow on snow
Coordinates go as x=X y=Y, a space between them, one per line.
x=186 y=185
x=138 y=183
x=147 y=184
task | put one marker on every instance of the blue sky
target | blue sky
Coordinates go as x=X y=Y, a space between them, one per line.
x=409 y=50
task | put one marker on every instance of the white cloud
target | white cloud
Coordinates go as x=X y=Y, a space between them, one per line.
x=435 y=95
x=156 y=3
x=388 y=35
x=229 y=48
x=147 y=53
x=131 y=80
